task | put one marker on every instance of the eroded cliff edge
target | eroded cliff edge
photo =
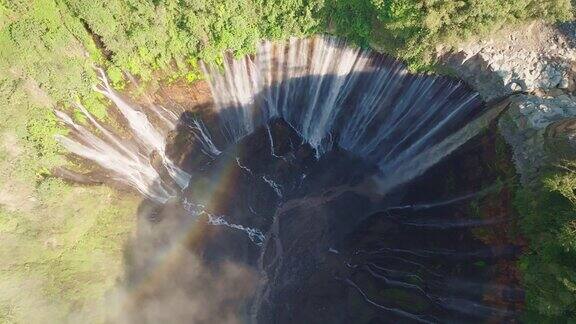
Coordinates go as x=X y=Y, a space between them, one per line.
x=535 y=66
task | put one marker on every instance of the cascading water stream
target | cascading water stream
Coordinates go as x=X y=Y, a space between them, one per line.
x=129 y=162
x=363 y=102
x=294 y=127
x=330 y=93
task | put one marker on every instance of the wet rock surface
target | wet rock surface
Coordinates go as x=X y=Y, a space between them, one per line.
x=331 y=250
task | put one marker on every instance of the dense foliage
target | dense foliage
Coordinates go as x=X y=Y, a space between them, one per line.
x=411 y=29
x=56 y=42
x=48 y=51
x=548 y=211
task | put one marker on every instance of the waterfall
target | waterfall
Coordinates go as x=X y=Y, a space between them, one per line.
x=362 y=101
x=330 y=93
x=130 y=163
x=359 y=115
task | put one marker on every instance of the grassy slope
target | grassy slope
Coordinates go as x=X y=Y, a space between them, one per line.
x=61 y=245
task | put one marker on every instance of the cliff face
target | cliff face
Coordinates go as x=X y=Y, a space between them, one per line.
x=536 y=64
x=530 y=124
x=526 y=58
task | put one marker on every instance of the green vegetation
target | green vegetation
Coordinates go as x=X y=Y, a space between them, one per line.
x=61 y=253
x=62 y=243
x=548 y=211
x=61 y=246
x=412 y=29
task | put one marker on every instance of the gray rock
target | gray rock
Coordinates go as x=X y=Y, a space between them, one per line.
x=515 y=87
x=564 y=83
x=524 y=126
